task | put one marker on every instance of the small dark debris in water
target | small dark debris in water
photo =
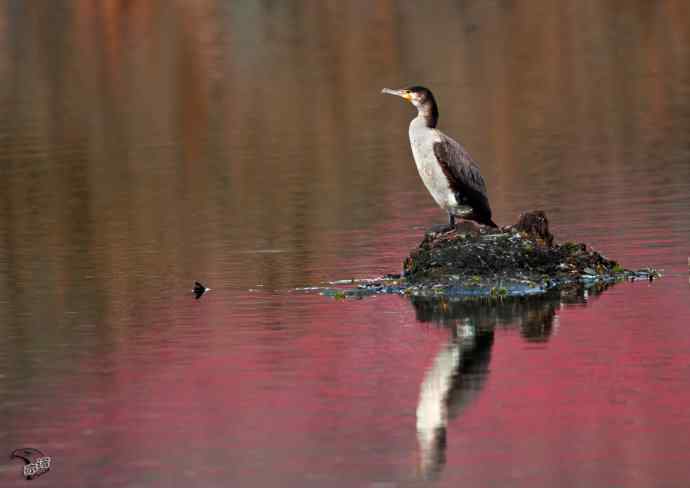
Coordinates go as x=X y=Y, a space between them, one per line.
x=199 y=290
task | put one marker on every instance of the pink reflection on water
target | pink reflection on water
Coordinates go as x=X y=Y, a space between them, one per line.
x=599 y=407
x=309 y=393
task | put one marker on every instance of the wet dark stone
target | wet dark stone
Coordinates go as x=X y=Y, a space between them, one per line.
x=478 y=262
x=536 y=225
x=525 y=253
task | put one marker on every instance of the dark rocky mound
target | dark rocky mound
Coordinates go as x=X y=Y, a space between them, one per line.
x=517 y=260
x=514 y=260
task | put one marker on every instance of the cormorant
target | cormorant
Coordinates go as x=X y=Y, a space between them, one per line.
x=449 y=173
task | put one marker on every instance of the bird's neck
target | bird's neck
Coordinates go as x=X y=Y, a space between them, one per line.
x=428 y=114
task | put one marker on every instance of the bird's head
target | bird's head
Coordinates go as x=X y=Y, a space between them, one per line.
x=421 y=98
x=416 y=95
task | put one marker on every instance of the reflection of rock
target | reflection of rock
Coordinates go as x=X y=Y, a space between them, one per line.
x=460 y=369
x=537 y=323
x=533 y=315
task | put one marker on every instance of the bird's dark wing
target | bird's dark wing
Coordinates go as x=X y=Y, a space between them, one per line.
x=464 y=177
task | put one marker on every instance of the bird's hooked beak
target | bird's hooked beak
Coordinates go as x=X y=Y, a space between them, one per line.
x=401 y=93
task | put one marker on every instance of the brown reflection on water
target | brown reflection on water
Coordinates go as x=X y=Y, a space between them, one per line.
x=146 y=144
x=260 y=126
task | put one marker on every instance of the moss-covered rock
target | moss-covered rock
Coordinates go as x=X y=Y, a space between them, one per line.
x=514 y=259
x=517 y=260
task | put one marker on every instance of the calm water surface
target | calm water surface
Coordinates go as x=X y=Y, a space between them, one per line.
x=147 y=144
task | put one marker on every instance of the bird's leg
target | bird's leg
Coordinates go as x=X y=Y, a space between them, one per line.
x=443 y=228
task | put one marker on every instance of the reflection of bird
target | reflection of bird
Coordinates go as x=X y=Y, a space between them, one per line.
x=460 y=369
x=199 y=290
x=447 y=170
x=451 y=384
x=432 y=409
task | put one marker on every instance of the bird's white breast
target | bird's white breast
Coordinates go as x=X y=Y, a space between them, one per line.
x=422 y=142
